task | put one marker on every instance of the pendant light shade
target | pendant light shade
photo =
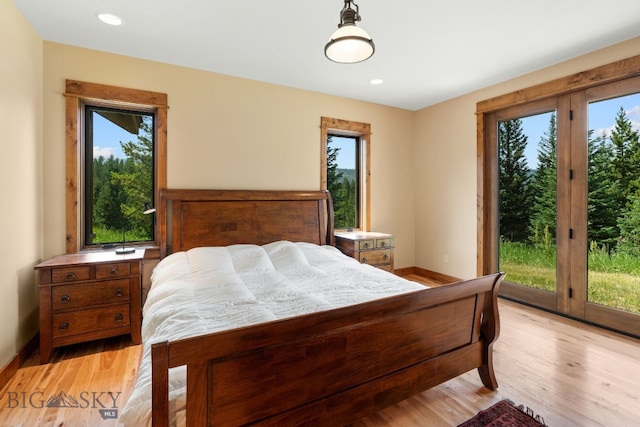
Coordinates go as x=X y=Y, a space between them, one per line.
x=349 y=44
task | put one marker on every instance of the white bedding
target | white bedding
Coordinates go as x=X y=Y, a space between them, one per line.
x=211 y=289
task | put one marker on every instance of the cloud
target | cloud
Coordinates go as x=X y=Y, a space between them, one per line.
x=105 y=152
x=606 y=132
x=634 y=116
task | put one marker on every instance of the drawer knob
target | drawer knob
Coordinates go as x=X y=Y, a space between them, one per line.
x=366 y=244
x=119 y=292
x=383 y=244
x=65 y=299
x=113 y=271
x=63 y=326
x=119 y=317
x=364 y=260
x=385 y=257
x=70 y=275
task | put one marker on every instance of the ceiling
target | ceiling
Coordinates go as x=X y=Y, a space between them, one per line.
x=426 y=51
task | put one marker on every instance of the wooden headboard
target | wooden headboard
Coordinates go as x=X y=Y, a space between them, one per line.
x=192 y=218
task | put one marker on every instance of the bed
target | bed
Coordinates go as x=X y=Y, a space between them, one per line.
x=328 y=360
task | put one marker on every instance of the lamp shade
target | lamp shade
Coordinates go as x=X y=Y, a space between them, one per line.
x=349 y=44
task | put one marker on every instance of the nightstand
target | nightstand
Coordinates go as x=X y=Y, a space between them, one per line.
x=87 y=296
x=367 y=247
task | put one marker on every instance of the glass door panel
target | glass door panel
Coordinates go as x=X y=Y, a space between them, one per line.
x=565 y=203
x=527 y=193
x=614 y=204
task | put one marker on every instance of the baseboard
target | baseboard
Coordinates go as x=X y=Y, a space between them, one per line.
x=404 y=271
x=9 y=370
x=432 y=275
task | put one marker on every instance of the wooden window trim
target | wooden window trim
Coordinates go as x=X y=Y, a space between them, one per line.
x=77 y=93
x=598 y=76
x=349 y=128
x=487 y=184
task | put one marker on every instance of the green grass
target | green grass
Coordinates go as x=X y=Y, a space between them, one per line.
x=104 y=235
x=619 y=290
x=614 y=279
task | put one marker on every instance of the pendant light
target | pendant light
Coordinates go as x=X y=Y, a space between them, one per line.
x=349 y=44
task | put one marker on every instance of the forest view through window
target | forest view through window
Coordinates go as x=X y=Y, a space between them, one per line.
x=343 y=179
x=528 y=161
x=527 y=198
x=118 y=178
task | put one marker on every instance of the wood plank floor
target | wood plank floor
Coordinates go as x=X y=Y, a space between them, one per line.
x=570 y=373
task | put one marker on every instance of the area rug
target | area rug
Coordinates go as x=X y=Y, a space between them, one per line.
x=505 y=414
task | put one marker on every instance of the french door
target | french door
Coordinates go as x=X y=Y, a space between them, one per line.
x=566 y=198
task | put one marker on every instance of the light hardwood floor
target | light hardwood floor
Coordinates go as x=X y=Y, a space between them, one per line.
x=570 y=373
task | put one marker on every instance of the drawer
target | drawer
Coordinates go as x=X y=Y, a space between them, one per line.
x=366 y=244
x=89 y=320
x=382 y=256
x=109 y=271
x=88 y=294
x=70 y=274
x=384 y=243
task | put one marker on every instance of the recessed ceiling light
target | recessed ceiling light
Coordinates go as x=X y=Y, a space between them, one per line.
x=376 y=81
x=110 y=19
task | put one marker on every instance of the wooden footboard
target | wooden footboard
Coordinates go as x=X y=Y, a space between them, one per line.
x=333 y=367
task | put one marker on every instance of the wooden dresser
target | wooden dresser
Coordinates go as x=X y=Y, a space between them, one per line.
x=368 y=247
x=88 y=295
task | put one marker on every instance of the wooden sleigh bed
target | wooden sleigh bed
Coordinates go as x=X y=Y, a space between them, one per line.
x=341 y=364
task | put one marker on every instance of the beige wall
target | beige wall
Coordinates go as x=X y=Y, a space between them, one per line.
x=445 y=166
x=20 y=178
x=226 y=132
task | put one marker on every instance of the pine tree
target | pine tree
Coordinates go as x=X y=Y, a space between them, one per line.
x=626 y=160
x=333 y=176
x=629 y=223
x=603 y=208
x=515 y=196
x=137 y=179
x=108 y=195
x=334 y=184
x=542 y=229
x=345 y=214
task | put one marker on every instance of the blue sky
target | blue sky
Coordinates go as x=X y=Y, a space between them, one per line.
x=107 y=137
x=346 y=158
x=602 y=117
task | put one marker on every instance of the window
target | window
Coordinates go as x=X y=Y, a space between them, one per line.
x=345 y=170
x=560 y=194
x=118 y=175
x=116 y=163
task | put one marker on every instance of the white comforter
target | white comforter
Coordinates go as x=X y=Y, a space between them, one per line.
x=212 y=289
